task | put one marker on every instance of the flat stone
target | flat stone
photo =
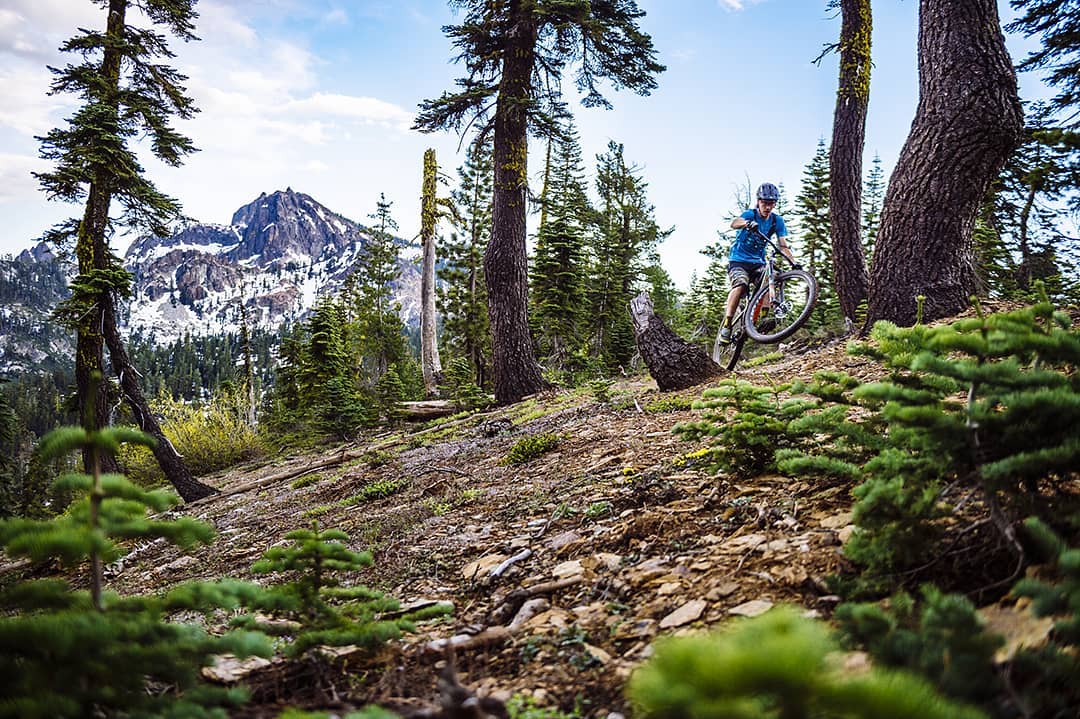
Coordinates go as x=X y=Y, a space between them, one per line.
x=689 y=612
x=753 y=608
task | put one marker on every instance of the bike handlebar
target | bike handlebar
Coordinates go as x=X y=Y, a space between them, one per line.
x=776 y=247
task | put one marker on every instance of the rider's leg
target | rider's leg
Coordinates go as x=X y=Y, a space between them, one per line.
x=740 y=282
x=732 y=303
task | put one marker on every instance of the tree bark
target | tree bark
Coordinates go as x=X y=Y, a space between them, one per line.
x=429 y=348
x=516 y=371
x=851 y=278
x=968 y=121
x=172 y=464
x=92 y=252
x=672 y=361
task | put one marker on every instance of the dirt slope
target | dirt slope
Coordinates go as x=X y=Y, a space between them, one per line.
x=617 y=535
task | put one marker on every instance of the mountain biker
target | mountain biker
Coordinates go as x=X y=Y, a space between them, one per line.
x=746 y=261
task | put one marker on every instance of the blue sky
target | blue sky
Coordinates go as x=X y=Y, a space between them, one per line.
x=318 y=95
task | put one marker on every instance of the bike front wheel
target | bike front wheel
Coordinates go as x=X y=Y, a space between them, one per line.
x=776 y=316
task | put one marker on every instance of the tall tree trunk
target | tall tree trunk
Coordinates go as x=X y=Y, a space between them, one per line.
x=92 y=252
x=968 y=121
x=429 y=349
x=172 y=464
x=517 y=373
x=851 y=278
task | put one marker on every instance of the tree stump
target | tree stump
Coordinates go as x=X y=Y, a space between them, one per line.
x=672 y=361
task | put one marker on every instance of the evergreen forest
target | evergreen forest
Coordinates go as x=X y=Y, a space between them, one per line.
x=506 y=509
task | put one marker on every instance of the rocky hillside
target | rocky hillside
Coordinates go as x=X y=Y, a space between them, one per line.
x=562 y=569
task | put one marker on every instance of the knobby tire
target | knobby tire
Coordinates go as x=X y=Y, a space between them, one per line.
x=807 y=296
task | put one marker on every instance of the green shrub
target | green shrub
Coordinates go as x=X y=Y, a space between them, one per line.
x=940 y=637
x=530 y=448
x=985 y=406
x=209 y=436
x=459 y=385
x=775 y=666
x=745 y=426
x=317 y=609
x=671 y=403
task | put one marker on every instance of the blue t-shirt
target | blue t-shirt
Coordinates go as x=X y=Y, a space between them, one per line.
x=751 y=248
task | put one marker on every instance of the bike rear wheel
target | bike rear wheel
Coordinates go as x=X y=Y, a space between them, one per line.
x=772 y=319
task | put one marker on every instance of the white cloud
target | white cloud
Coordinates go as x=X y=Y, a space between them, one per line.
x=15 y=178
x=366 y=110
x=737 y=4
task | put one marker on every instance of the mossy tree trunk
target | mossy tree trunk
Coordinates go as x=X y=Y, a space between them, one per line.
x=967 y=123
x=429 y=348
x=92 y=252
x=851 y=278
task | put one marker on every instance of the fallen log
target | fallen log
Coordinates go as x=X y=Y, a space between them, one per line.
x=672 y=361
x=426 y=409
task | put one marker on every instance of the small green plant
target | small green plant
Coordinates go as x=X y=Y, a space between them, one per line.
x=985 y=407
x=775 y=666
x=763 y=359
x=460 y=387
x=317 y=609
x=81 y=653
x=596 y=510
x=745 y=426
x=672 y=403
x=317 y=511
x=939 y=637
x=307 y=480
x=377 y=458
x=601 y=389
x=520 y=707
x=531 y=447
x=437 y=507
x=377 y=490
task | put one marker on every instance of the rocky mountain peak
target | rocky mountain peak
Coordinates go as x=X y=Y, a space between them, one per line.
x=286 y=222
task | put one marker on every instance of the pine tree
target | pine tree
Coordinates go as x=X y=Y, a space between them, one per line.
x=815 y=246
x=558 y=276
x=850 y=278
x=626 y=235
x=127 y=95
x=1058 y=23
x=968 y=121
x=67 y=653
x=463 y=292
x=429 y=217
x=985 y=405
x=515 y=54
x=327 y=380
x=317 y=608
x=371 y=303
x=873 y=197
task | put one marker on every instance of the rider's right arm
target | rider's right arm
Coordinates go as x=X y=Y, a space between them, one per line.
x=740 y=222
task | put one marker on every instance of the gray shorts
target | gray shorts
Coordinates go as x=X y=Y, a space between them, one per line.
x=744 y=273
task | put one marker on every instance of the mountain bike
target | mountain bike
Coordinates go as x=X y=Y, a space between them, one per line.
x=769 y=311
